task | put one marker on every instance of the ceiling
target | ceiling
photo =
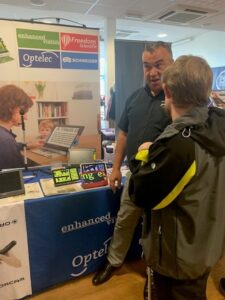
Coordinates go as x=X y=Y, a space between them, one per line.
x=135 y=19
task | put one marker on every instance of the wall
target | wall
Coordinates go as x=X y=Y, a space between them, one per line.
x=210 y=45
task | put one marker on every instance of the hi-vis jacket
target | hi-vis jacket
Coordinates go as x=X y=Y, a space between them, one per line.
x=180 y=182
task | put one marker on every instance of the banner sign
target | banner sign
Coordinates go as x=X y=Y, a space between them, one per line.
x=58 y=231
x=60 y=252
x=15 y=281
x=58 y=67
x=79 y=42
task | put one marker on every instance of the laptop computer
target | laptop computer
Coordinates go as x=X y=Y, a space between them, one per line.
x=4 y=52
x=60 y=140
x=11 y=183
x=78 y=156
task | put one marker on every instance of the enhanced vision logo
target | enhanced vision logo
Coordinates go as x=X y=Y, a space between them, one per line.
x=81 y=261
x=77 y=225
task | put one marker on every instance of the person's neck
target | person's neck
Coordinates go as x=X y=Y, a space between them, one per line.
x=6 y=124
x=177 y=112
x=155 y=93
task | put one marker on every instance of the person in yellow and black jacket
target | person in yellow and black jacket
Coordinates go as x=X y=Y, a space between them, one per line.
x=179 y=181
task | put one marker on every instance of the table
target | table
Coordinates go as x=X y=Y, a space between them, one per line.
x=87 y=141
x=68 y=235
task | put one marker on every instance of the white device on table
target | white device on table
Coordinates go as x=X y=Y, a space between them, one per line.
x=60 y=140
x=79 y=156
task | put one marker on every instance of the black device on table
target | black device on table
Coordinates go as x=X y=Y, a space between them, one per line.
x=65 y=175
x=93 y=175
x=11 y=183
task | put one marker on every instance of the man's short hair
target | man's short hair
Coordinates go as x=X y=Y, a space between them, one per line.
x=152 y=46
x=189 y=80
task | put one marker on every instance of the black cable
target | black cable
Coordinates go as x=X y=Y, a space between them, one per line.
x=58 y=20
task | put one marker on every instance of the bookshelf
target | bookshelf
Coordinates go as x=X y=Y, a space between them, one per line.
x=54 y=110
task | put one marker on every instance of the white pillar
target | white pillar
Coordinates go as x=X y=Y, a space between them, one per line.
x=109 y=38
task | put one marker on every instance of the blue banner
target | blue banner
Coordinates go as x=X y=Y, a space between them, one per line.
x=69 y=235
x=39 y=59
x=84 y=61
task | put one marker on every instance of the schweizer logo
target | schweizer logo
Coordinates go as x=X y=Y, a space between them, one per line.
x=39 y=59
x=66 y=40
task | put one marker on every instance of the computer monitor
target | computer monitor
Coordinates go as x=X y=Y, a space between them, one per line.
x=11 y=183
x=79 y=156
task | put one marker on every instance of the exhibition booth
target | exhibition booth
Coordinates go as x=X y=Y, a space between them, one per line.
x=55 y=233
x=57 y=214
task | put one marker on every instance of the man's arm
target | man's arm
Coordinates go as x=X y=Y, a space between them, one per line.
x=116 y=176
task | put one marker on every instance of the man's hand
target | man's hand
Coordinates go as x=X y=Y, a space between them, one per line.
x=115 y=180
x=145 y=146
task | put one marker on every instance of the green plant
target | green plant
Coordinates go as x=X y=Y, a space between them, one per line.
x=40 y=86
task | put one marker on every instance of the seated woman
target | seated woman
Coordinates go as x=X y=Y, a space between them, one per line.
x=13 y=100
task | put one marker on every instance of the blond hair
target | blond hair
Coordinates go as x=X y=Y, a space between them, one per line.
x=46 y=124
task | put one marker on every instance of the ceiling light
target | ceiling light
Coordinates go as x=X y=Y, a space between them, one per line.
x=37 y=2
x=183 y=41
x=162 y=35
x=133 y=16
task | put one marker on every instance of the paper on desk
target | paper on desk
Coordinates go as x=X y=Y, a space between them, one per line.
x=50 y=189
x=32 y=191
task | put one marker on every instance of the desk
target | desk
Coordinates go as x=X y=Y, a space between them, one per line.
x=88 y=141
x=68 y=235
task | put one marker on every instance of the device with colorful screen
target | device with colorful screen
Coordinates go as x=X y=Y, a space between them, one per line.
x=93 y=175
x=64 y=176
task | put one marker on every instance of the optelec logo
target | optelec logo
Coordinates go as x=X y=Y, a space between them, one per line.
x=39 y=59
x=82 y=261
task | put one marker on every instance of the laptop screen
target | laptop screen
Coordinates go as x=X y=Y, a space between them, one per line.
x=63 y=137
x=11 y=183
x=79 y=156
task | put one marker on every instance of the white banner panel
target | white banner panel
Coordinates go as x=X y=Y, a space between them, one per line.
x=15 y=281
x=58 y=66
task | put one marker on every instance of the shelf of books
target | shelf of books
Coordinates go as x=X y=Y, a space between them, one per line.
x=56 y=111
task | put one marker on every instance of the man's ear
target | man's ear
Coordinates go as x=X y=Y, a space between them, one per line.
x=166 y=91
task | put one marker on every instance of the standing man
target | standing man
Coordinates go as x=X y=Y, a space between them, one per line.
x=180 y=185
x=143 y=119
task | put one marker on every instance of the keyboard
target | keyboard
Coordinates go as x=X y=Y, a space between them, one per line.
x=45 y=153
